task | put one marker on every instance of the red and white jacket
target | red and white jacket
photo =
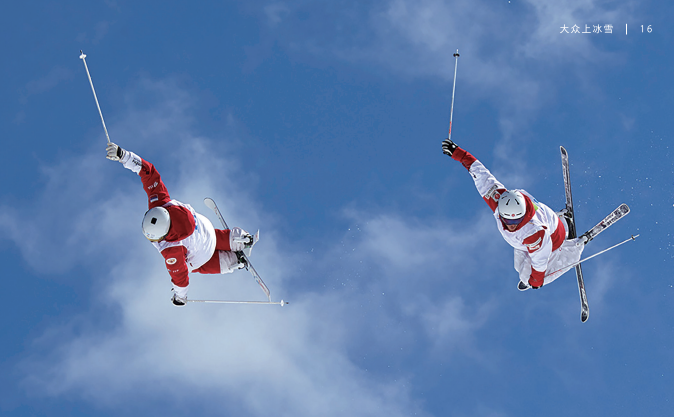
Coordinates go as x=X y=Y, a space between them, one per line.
x=190 y=242
x=539 y=234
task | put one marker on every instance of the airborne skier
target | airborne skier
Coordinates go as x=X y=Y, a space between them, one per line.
x=539 y=236
x=186 y=239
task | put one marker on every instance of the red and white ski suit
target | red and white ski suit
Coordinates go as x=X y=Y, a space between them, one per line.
x=192 y=243
x=539 y=240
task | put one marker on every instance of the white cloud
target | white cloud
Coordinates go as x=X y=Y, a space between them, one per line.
x=507 y=57
x=421 y=271
x=55 y=76
x=275 y=13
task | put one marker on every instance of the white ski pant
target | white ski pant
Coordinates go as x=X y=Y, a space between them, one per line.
x=228 y=261
x=569 y=253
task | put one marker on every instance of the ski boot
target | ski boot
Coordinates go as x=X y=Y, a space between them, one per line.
x=585 y=237
x=248 y=246
x=565 y=215
x=241 y=258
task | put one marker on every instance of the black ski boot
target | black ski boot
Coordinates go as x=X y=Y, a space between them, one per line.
x=585 y=237
x=243 y=264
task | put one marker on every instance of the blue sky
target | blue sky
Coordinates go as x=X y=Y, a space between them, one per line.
x=320 y=124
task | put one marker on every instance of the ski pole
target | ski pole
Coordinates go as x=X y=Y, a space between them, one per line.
x=451 y=112
x=82 y=57
x=596 y=254
x=281 y=303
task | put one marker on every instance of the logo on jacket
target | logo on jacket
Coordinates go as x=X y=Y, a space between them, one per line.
x=534 y=246
x=493 y=193
x=171 y=261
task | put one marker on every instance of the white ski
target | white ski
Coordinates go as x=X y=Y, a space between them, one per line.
x=584 y=307
x=211 y=205
x=609 y=220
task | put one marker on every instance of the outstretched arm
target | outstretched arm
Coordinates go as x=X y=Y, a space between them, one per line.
x=154 y=187
x=157 y=194
x=487 y=185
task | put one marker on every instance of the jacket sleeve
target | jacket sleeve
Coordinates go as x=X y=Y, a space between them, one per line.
x=176 y=264
x=539 y=247
x=157 y=194
x=487 y=185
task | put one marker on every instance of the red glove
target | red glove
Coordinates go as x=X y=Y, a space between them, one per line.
x=536 y=279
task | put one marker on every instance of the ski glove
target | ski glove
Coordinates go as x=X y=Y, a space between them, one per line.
x=448 y=147
x=115 y=153
x=178 y=301
x=535 y=283
x=239 y=239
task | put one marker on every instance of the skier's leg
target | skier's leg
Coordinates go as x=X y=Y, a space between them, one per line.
x=222 y=240
x=229 y=262
x=568 y=254
x=212 y=266
x=234 y=239
x=222 y=262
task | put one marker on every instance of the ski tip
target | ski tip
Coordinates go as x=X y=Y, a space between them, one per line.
x=584 y=316
x=209 y=203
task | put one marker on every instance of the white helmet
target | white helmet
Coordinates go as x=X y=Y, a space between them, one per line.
x=512 y=206
x=156 y=223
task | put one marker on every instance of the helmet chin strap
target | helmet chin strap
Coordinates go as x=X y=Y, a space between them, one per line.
x=155 y=240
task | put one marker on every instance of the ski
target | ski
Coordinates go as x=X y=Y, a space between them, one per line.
x=609 y=220
x=249 y=266
x=584 y=307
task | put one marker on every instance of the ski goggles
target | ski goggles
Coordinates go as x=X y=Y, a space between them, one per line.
x=511 y=222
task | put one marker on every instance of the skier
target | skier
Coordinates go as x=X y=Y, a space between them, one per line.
x=536 y=232
x=186 y=239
